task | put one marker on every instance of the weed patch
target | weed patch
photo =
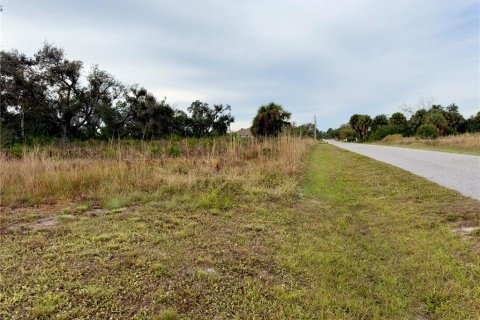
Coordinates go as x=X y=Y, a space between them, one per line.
x=115 y=203
x=215 y=199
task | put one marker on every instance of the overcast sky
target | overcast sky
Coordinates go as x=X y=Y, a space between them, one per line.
x=330 y=58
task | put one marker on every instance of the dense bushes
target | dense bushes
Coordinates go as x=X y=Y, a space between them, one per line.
x=382 y=131
x=473 y=124
x=347 y=133
x=427 y=131
x=436 y=119
x=431 y=123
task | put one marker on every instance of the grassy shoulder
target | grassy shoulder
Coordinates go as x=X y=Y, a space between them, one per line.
x=464 y=144
x=344 y=238
x=375 y=242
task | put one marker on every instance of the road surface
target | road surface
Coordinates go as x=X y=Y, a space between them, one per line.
x=455 y=171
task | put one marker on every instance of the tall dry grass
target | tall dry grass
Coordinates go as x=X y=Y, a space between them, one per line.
x=133 y=171
x=466 y=141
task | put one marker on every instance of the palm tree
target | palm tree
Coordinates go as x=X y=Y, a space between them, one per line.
x=270 y=120
x=361 y=123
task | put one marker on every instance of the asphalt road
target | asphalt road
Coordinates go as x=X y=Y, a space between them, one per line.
x=455 y=171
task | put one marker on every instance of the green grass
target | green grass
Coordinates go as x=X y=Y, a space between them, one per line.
x=116 y=203
x=355 y=239
x=375 y=243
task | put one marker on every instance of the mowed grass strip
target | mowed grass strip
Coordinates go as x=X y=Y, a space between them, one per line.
x=374 y=242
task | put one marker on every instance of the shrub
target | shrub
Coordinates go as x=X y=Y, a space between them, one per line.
x=174 y=151
x=347 y=133
x=427 y=131
x=155 y=149
x=215 y=199
x=392 y=138
x=381 y=132
x=115 y=203
x=437 y=120
x=17 y=150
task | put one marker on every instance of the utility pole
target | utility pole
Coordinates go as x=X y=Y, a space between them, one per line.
x=315 y=127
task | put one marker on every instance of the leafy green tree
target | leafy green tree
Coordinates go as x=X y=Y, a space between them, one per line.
x=345 y=132
x=416 y=120
x=270 y=120
x=378 y=121
x=306 y=130
x=202 y=118
x=148 y=118
x=473 y=123
x=437 y=107
x=383 y=127
x=436 y=118
x=455 y=121
x=23 y=97
x=181 y=124
x=209 y=121
x=63 y=78
x=114 y=119
x=398 y=119
x=452 y=108
x=98 y=98
x=331 y=133
x=222 y=119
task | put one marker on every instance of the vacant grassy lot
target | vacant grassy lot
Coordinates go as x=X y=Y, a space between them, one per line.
x=468 y=143
x=259 y=236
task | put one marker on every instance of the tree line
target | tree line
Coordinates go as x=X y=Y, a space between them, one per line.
x=48 y=96
x=425 y=123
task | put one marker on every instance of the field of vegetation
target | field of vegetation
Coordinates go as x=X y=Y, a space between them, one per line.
x=468 y=143
x=100 y=173
x=229 y=228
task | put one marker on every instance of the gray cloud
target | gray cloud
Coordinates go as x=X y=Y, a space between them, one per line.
x=331 y=58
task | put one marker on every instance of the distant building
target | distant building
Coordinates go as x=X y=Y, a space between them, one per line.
x=244 y=133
